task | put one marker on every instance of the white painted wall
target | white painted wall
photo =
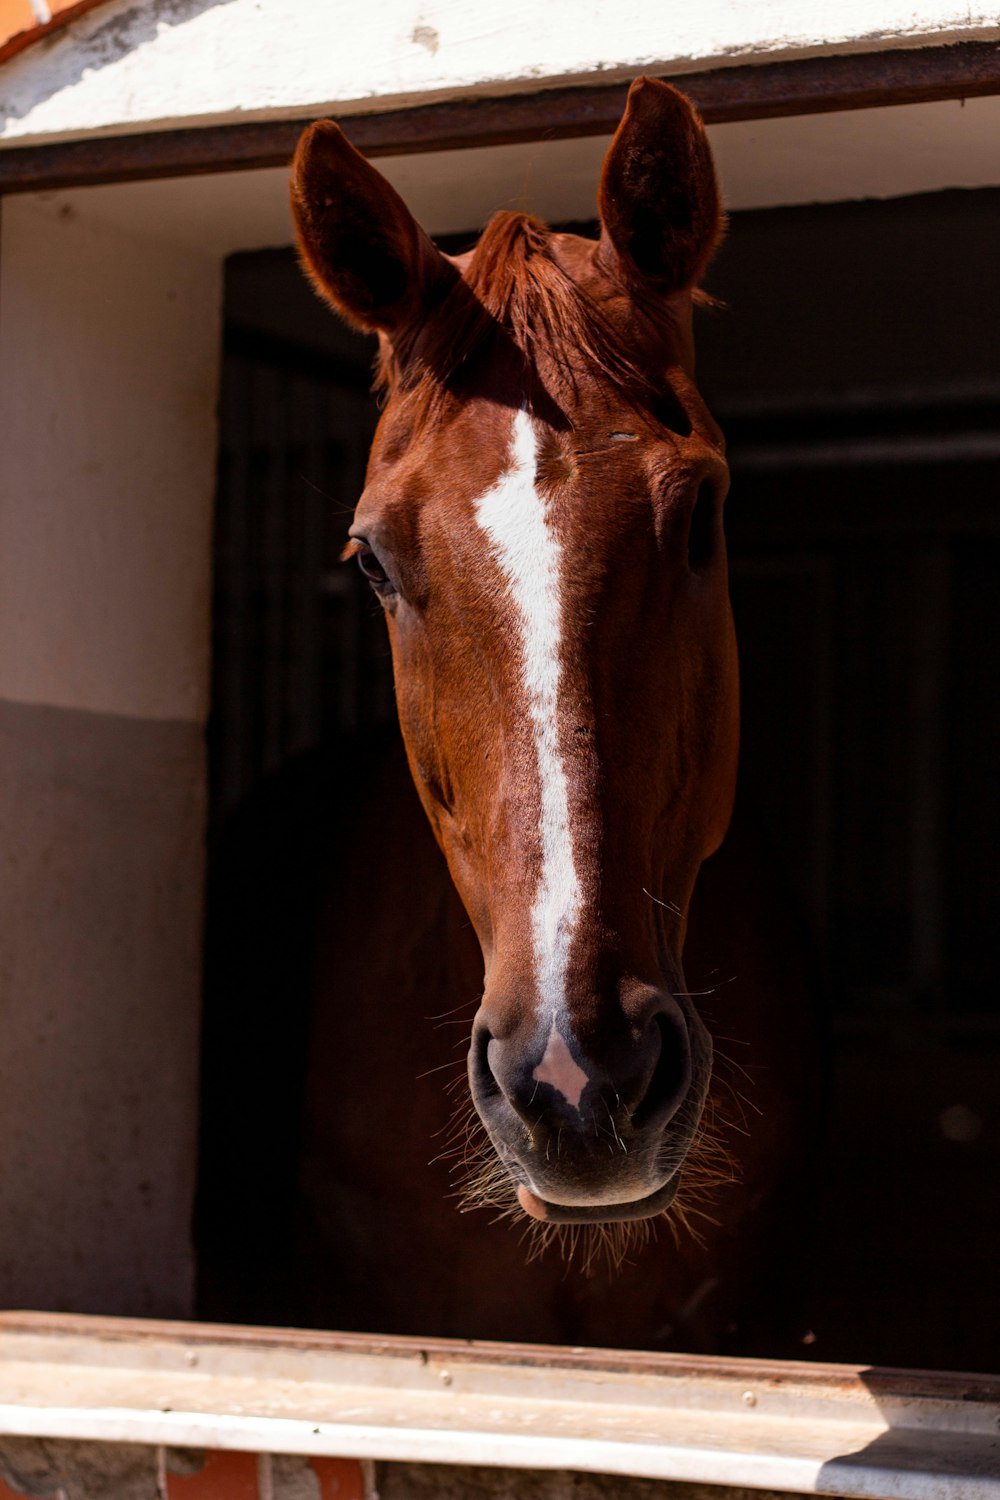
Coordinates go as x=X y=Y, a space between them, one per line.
x=109 y=353
x=133 y=64
x=109 y=349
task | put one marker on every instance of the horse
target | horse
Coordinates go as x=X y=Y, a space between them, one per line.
x=542 y=527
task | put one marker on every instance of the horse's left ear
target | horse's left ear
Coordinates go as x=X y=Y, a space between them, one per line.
x=661 y=214
x=363 y=249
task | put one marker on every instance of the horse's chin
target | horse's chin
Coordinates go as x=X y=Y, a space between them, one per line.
x=601 y=1213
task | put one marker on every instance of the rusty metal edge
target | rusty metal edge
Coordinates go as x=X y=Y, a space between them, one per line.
x=794 y=86
x=883 y=1381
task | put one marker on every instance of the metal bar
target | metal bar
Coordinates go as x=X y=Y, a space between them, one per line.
x=793 y=86
x=826 y=1429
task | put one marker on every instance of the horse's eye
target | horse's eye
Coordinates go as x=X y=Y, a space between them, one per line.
x=373 y=569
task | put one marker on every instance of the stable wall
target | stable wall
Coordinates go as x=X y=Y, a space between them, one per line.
x=108 y=371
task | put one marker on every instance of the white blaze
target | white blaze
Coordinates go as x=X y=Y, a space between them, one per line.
x=560 y=1068
x=513 y=515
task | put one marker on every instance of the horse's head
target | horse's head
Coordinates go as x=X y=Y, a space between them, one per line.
x=542 y=523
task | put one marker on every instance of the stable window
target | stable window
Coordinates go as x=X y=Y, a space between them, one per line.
x=863 y=541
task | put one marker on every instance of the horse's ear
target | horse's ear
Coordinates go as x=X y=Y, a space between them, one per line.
x=360 y=244
x=661 y=215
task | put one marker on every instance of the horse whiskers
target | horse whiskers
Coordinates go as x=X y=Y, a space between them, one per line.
x=442 y=1015
x=727 y=1121
x=484 y=1182
x=739 y=1100
x=706 y=990
x=455 y=1062
x=734 y=1067
x=667 y=905
x=591 y=1246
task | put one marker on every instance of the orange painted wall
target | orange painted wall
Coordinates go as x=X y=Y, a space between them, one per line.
x=19 y=26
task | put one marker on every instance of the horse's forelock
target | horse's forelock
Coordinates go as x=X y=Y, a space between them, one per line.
x=511 y=287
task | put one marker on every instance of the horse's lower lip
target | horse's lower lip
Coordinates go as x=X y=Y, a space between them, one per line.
x=603 y=1213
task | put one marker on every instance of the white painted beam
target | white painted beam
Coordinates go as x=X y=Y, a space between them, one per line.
x=821 y=1429
x=131 y=66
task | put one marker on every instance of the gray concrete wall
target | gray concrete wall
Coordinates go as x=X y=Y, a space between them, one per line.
x=461 y=1482
x=108 y=370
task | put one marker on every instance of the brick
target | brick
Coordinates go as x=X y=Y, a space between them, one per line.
x=223 y=1476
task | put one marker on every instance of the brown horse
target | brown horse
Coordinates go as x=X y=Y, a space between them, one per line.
x=542 y=522
x=542 y=526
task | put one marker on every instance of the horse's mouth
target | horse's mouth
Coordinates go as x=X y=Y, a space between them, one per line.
x=601 y=1213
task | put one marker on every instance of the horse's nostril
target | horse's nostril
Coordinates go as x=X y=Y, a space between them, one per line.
x=484 y=1077
x=671 y=1074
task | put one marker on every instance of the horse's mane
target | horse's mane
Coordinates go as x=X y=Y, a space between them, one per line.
x=513 y=290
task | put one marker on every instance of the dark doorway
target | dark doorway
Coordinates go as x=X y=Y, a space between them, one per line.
x=855 y=373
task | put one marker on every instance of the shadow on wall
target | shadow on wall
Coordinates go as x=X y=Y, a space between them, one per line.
x=95 y=45
x=938 y=1437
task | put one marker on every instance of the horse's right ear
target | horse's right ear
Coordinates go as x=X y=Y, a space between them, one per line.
x=362 y=248
x=661 y=217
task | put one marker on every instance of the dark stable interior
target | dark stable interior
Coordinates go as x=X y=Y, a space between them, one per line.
x=854 y=370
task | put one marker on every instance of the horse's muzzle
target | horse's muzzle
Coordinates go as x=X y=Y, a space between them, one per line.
x=614 y=1149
